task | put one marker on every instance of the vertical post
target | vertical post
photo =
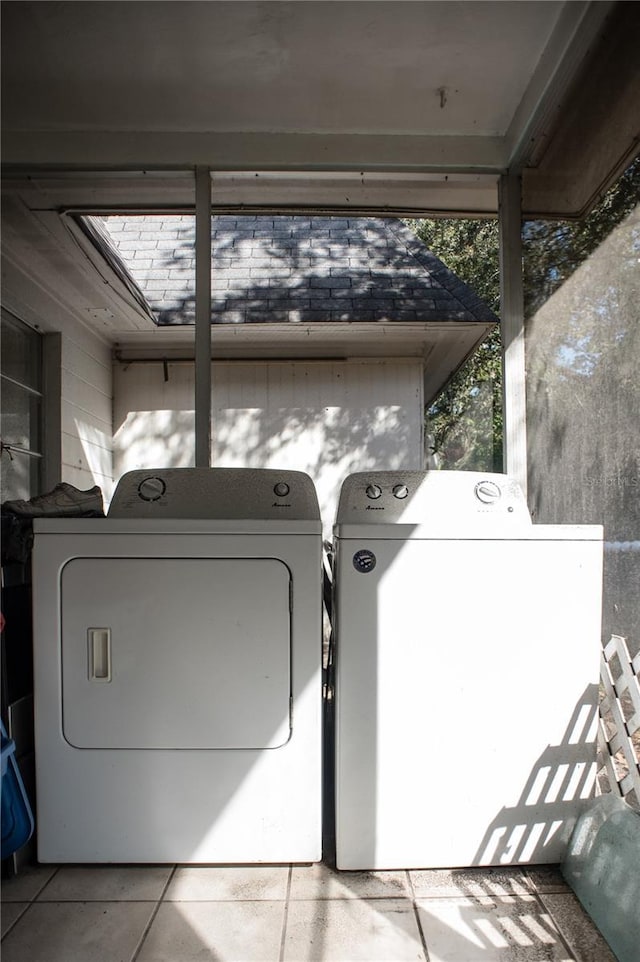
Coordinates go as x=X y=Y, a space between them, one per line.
x=203 y=319
x=512 y=325
x=52 y=404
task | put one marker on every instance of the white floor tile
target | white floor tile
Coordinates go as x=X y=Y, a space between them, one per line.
x=577 y=928
x=228 y=883
x=469 y=882
x=105 y=883
x=350 y=930
x=546 y=878
x=237 y=914
x=10 y=912
x=321 y=882
x=502 y=929
x=220 y=931
x=77 y=932
x=25 y=886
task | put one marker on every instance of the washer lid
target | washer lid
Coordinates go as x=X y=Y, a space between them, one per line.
x=176 y=653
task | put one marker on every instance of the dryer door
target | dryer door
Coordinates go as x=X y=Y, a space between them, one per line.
x=176 y=653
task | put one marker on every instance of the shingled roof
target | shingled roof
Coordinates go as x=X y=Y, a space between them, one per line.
x=275 y=269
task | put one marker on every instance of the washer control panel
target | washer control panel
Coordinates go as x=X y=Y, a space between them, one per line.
x=215 y=493
x=417 y=497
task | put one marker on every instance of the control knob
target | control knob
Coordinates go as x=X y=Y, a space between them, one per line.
x=488 y=492
x=400 y=491
x=373 y=491
x=151 y=489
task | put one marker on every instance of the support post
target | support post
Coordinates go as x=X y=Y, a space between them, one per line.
x=512 y=327
x=203 y=319
x=52 y=404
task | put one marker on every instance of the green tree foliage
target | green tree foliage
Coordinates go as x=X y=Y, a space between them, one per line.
x=465 y=420
x=554 y=249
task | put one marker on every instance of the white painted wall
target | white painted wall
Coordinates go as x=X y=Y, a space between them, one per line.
x=326 y=418
x=153 y=419
x=86 y=409
x=78 y=404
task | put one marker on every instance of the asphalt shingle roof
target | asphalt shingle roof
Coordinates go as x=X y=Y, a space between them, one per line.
x=268 y=269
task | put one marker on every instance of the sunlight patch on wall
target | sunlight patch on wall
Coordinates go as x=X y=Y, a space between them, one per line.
x=327 y=443
x=149 y=439
x=87 y=458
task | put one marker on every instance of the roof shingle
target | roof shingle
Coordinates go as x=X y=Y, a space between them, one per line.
x=283 y=268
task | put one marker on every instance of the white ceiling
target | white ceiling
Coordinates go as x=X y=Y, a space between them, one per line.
x=406 y=84
x=266 y=67
x=396 y=106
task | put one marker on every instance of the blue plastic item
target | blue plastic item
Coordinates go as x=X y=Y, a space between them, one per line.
x=17 y=819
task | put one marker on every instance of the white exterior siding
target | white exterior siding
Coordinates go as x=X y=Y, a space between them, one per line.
x=78 y=385
x=326 y=418
x=86 y=410
x=153 y=419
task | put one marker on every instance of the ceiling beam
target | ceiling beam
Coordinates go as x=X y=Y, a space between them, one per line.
x=231 y=150
x=576 y=31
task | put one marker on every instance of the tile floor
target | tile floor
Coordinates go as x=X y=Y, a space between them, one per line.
x=293 y=914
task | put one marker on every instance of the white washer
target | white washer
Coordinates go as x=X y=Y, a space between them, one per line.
x=177 y=661
x=467 y=666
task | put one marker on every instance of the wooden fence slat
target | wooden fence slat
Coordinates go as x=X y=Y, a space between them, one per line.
x=621 y=741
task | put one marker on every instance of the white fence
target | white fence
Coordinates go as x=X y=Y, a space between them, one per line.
x=619 y=728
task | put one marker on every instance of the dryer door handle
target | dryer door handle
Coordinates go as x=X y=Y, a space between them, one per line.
x=99 y=654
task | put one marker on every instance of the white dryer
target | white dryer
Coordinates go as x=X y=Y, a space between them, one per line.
x=467 y=667
x=177 y=669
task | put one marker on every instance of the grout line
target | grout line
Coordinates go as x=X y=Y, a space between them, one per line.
x=44 y=885
x=27 y=906
x=29 y=902
x=285 y=917
x=168 y=883
x=556 y=925
x=138 y=948
x=417 y=915
x=349 y=898
x=79 y=900
x=528 y=881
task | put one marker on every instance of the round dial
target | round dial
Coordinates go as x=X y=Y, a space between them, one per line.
x=373 y=491
x=151 y=489
x=400 y=491
x=488 y=492
x=281 y=489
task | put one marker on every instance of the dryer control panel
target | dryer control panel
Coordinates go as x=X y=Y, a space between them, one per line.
x=419 y=497
x=215 y=493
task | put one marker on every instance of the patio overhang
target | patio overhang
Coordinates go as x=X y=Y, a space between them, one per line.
x=392 y=108
x=368 y=106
